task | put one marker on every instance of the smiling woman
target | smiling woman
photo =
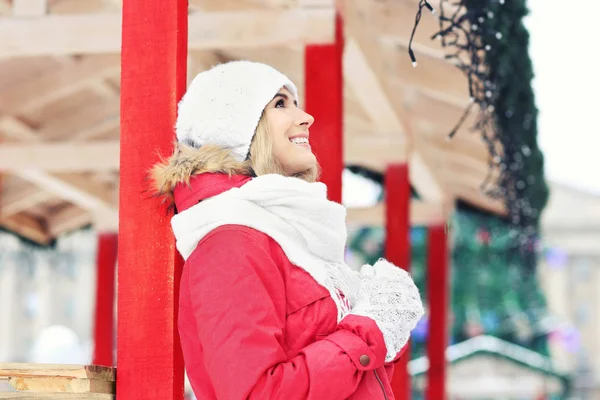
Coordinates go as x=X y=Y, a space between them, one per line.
x=281 y=142
x=266 y=296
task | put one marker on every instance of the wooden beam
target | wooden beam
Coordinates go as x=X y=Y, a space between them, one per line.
x=55 y=84
x=421 y=214
x=76 y=186
x=67 y=219
x=432 y=75
x=151 y=109
x=374 y=150
x=474 y=196
x=14 y=201
x=29 y=8
x=26 y=226
x=81 y=119
x=363 y=80
x=60 y=157
x=323 y=68
x=17 y=370
x=5 y=7
x=396 y=20
x=106 y=125
x=101 y=33
x=397 y=249
x=82 y=198
x=14 y=128
x=422 y=175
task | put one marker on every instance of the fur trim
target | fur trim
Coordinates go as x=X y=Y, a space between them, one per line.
x=186 y=162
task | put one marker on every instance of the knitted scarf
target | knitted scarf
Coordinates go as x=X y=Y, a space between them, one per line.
x=310 y=229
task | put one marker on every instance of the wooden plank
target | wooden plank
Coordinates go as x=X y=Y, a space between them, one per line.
x=376 y=150
x=422 y=175
x=56 y=396
x=28 y=227
x=80 y=119
x=57 y=370
x=14 y=201
x=363 y=79
x=61 y=385
x=12 y=127
x=323 y=67
x=82 y=192
x=60 y=157
x=101 y=33
x=421 y=214
x=50 y=86
x=433 y=75
x=71 y=218
x=74 y=194
x=397 y=194
x=397 y=18
x=29 y=8
x=149 y=354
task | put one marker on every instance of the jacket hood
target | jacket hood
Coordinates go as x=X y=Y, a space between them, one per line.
x=191 y=175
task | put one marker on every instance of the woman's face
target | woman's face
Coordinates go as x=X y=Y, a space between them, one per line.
x=288 y=127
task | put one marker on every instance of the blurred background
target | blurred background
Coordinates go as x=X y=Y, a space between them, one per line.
x=522 y=205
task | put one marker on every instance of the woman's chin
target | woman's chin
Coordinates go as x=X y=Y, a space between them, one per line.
x=300 y=164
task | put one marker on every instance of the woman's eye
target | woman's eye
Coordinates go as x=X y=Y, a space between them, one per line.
x=280 y=103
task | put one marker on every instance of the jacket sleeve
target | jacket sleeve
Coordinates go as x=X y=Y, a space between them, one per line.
x=238 y=299
x=391 y=365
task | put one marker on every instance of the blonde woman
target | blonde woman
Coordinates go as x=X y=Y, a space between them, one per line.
x=268 y=308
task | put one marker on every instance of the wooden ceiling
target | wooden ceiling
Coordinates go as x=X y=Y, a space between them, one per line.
x=60 y=83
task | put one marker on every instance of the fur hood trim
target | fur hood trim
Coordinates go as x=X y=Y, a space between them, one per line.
x=186 y=162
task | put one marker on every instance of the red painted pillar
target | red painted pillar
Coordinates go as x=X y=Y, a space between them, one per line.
x=106 y=260
x=153 y=79
x=397 y=251
x=438 y=293
x=324 y=96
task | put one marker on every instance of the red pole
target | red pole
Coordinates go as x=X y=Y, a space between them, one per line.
x=324 y=93
x=106 y=260
x=397 y=251
x=153 y=79
x=437 y=289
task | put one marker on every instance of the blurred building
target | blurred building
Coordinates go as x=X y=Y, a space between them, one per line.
x=570 y=276
x=46 y=287
x=485 y=367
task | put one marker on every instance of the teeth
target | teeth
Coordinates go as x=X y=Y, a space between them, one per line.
x=299 y=140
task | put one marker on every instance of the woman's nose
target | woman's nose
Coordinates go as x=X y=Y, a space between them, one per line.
x=305 y=119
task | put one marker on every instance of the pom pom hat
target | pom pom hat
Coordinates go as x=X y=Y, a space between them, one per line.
x=223 y=105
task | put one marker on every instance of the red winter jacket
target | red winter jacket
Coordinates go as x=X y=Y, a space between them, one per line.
x=255 y=326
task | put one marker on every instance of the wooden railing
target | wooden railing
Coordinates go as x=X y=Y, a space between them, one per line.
x=58 y=381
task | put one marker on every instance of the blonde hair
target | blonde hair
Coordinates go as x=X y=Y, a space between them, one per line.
x=188 y=161
x=261 y=156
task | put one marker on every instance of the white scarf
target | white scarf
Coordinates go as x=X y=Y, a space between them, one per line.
x=310 y=229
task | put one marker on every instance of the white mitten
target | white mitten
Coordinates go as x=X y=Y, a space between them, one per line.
x=388 y=295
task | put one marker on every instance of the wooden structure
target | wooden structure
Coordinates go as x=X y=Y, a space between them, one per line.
x=58 y=382
x=62 y=86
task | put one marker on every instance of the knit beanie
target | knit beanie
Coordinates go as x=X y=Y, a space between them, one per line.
x=223 y=105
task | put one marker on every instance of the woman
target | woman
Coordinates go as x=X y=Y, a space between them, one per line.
x=268 y=308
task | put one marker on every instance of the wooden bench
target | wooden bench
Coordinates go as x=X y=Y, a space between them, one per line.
x=58 y=382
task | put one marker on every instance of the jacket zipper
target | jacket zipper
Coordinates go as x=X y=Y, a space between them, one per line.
x=381 y=384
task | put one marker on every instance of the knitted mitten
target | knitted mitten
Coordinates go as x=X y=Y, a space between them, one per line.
x=388 y=295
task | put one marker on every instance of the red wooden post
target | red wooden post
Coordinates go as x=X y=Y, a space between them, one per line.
x=397 y=251
x=106 y=260
x=324 y=96
x=438 y=293
x=153 y=79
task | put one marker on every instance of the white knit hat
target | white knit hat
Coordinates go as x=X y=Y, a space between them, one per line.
x=223 y=105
